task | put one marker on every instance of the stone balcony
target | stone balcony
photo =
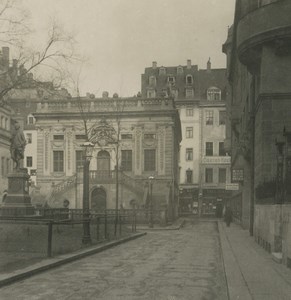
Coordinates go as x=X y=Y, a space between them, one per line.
x=216 y=160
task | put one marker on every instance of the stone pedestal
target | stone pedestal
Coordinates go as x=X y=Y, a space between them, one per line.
x=17 y=201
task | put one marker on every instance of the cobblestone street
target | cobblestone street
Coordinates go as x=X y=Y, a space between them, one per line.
x=170 y=265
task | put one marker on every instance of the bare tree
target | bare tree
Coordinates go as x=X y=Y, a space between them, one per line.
x=52 y=57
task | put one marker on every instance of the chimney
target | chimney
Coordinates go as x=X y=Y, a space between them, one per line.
x=188 y=63
x=5 y=52
x=154 y=65
x=209 y=65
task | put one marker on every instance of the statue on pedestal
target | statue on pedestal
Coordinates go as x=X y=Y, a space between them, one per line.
x=17 y=146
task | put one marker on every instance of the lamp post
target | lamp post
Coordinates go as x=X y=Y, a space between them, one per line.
x=280 y=166
x=151 y=225
x=88 y=149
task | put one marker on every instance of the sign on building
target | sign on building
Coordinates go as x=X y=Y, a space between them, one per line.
x=232 y=186
x=237 y=175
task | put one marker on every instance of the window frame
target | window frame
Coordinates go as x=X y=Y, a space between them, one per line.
x=189 y=154
x=189 y=133
x=209 y=117
x=207 y=149
x=29 y=161
x=126 y=160
x=150 y=162
x=208 y=175
x=219 y=175
x=58 y=163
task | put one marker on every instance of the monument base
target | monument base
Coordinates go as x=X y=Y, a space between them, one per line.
x=17 y=202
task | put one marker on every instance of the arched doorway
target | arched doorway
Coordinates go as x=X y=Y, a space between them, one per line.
x=98 y=199
x=103 y=163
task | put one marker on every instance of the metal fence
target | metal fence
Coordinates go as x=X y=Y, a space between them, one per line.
x=58 y=231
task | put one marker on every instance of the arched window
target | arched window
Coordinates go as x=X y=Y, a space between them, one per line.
x=189 y=79
x=162 y=71
x=213 y=94
x=152 y=80
x=180 y=70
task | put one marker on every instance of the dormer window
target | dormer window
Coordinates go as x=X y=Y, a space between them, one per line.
x=189 y=93
x=162 y=71
x=30 y=120
x=171 y=80
x=213 y=94
x=151 y=93
x=189 y=79
x=152 y=80
x=180 y=70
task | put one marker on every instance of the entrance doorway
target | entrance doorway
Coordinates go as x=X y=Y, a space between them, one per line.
x=98 y=199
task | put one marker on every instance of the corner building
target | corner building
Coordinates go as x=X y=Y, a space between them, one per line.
x=204 y=166
x=258 y=50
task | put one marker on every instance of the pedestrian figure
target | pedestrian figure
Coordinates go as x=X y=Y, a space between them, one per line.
x=228 y=216
x=17 y=146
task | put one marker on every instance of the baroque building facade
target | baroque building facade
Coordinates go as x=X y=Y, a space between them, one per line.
x=259 y=73
x=204 y=166
x=147 y=132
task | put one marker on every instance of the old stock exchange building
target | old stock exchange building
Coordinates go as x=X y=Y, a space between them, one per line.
x=149 y=137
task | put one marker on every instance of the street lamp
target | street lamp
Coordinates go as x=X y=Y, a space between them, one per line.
x=88 y=150
x=151 y=178
x=280 y=166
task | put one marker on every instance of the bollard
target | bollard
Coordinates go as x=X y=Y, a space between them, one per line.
x=49 y=239
x=97 y=229
x=105 y=225
x=120 y=225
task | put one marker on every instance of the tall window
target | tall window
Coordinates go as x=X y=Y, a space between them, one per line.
x=58 y=161
x=29 y=161
x=222 y=117
x=30 y=120
x=189 y=132
x=208 y=175
x=221 y=149
x=189 y=174
x=209 y=117
x=209 y=149
x=79 y=159
x=189 y=153
x=2 y=166
x=222 y=175
x=29 y=138
x=189 y=112
x=171 y=80
x=126 y=160
x=152 y=80
x=189 y=79
x=149 y=159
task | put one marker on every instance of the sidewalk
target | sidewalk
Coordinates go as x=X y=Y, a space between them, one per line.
x=178 y=224
x=251 y=272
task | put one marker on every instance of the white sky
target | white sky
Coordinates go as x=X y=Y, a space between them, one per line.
x=122 y=37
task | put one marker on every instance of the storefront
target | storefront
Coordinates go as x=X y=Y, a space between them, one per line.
x=188 y=201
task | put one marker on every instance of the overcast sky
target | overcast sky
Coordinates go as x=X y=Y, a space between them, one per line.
x=122 y=37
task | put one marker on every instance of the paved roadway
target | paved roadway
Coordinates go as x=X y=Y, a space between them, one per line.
x=163 y=265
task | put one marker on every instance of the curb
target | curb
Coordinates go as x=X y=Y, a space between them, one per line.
x=162 y=228
x=236 y=284
x=7 y=279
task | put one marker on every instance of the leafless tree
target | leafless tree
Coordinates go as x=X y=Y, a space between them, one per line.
x=52 y=57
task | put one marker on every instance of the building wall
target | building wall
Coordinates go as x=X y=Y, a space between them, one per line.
x=259 y=65
x=5 y=160
x=152 y=125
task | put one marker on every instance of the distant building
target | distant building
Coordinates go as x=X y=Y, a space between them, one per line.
x=200 y=98
x=149 y=137
x=5 y=161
